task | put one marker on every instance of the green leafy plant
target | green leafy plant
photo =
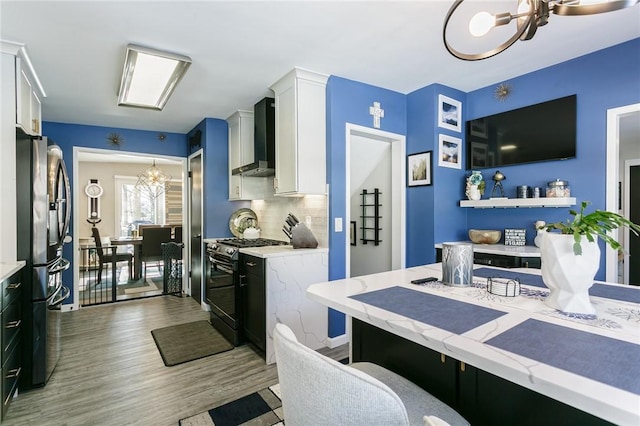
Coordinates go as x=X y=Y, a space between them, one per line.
x=593 y=225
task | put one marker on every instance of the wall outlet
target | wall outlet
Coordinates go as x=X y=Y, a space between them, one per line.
x=307 y=221
x=337 y=224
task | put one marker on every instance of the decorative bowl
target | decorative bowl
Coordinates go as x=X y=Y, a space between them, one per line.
x=484 y=236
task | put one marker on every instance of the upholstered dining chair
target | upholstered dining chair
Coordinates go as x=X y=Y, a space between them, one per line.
x=151 y=248
x=106 y=257
x=318 y=390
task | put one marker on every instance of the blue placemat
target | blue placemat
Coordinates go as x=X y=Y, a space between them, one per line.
x=451 y=315
x=606 y=360
x=626 y=294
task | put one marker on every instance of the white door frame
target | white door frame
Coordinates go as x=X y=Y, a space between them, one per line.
x=398 y=183
x=613 y=141
x=77 y=190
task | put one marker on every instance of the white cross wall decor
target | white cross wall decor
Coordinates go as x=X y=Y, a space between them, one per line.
x=377 y=113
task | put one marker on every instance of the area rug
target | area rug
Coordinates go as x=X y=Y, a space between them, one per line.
x=262 y=408
x=186 y=342
x=142 y=286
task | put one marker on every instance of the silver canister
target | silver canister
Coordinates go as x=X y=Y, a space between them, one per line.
x=522 y=191
x=536 y=192
x=457 y=264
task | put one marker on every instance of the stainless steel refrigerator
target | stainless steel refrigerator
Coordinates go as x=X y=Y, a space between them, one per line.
x=43 y=210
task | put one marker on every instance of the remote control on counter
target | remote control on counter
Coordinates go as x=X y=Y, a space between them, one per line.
x=424 y=280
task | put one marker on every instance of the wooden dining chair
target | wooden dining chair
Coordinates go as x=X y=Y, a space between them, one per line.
x=106 y=255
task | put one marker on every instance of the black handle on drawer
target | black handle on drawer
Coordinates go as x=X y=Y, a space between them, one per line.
x=13 y=324
x=14 y=286
x=12 y=374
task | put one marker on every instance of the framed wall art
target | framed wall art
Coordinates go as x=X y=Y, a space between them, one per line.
x=449 y=152
x=449 y=113
x=419 y=169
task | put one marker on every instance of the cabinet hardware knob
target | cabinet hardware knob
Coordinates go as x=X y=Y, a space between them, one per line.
x=462 y=366
x=13 y=324
x=14 y=286
x=251 y=264
x=443 y=358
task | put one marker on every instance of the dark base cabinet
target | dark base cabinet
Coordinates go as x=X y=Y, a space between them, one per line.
x=499 y=260
x=254 y=315
x=480 y=397
x=11 y=320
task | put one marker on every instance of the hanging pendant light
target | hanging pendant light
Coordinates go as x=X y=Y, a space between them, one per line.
x=527 y=15
x=153 y=181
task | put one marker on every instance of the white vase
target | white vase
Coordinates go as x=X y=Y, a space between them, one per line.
x=568 y=276
x=473 y=193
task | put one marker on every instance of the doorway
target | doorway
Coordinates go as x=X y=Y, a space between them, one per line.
x=195 y=226
x=374 y=159
x=623 y=134
x=110 y=169
x=631 y=270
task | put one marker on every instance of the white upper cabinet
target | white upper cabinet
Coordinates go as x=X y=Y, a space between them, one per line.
x=28 y=107
x=241 y=152
x=300 y=98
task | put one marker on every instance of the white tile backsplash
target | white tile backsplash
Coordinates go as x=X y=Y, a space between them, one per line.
x=273 y=212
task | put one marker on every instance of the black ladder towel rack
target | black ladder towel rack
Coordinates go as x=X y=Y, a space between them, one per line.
x=371 y=219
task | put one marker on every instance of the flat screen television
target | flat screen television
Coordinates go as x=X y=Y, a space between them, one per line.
x=540 y=132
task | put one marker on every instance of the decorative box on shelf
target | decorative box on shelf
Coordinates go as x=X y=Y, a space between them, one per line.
x=519 y=202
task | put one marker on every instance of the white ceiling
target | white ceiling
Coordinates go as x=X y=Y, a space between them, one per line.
x=240 y=48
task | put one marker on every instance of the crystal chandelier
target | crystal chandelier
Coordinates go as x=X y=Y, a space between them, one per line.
x=153 y=181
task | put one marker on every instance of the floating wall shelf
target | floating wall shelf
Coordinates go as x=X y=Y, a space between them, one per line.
x=505 y=203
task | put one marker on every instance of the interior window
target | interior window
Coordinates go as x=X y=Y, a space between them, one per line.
x=136 y=206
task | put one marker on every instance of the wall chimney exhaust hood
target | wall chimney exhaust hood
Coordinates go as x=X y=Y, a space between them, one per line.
x=264 y=141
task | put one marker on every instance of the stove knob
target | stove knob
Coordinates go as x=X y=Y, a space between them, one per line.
x=229 y=251
x=214 y=246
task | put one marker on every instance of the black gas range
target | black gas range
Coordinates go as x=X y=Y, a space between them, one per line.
x=224 y=286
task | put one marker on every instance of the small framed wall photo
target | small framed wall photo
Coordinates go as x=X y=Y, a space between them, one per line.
x=449 y=113
x=419 y=169
x=450 y=152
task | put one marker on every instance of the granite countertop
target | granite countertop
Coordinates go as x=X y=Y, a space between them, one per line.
x=517 y=338
x=280 y=251
x=9 y=268
x=517 y=251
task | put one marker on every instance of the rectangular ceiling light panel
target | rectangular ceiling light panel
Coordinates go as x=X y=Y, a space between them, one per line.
x=150 y=76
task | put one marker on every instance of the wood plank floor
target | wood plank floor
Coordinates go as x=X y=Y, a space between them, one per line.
x=111 y=373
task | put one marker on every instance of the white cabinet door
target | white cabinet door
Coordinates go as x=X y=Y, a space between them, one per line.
x=300 y=133
x=241 y=152
x=28 y=108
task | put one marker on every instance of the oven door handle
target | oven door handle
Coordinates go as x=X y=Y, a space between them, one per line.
x=223 y=268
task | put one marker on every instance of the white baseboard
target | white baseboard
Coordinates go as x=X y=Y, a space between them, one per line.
x=334 y=342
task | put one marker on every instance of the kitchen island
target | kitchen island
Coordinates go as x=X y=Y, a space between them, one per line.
x=498 y=360
x=287 y=274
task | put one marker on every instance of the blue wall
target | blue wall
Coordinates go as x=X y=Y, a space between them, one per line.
x=348 y=102
x=68 y=136
x=601 y=80
x=217 y=208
